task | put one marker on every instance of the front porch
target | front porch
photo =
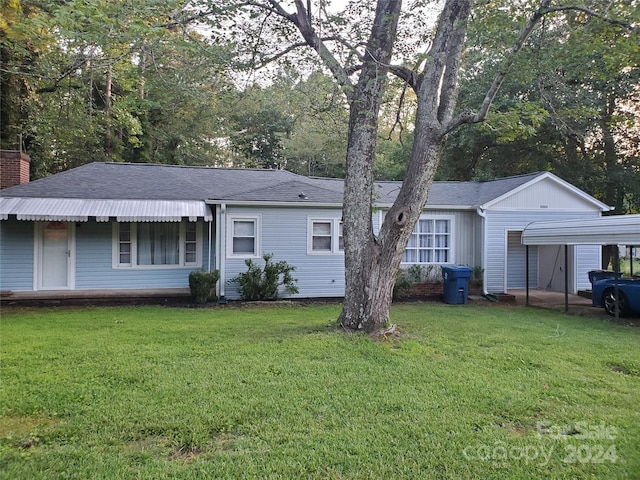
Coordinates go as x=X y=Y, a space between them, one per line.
x=102 y=296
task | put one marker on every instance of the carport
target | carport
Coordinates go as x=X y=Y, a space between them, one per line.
x=612 y=230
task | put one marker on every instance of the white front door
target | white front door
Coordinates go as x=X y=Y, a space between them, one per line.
x=55 y=255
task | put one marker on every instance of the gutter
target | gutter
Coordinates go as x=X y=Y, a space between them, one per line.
x=259 y=203
x=263 y=203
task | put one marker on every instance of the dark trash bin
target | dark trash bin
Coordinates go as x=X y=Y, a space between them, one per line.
x=595 y=275
x=455 y=287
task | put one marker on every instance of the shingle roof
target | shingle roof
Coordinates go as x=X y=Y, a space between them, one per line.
x=130 y=181
x=139 y=181
x=458 y=194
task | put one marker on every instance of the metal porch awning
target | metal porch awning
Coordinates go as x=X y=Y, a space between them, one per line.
x=80 y=210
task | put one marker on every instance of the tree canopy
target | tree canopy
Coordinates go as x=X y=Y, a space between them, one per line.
x=570 y=105
x=98 y=80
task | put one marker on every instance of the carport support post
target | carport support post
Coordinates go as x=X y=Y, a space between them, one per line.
x=526 y=274
x=566 y=278
x=616 y=269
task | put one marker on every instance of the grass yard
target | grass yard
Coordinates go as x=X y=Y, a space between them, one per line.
x=467 y=392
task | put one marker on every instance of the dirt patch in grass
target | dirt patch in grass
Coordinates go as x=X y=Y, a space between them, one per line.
x=624 y=369
x=515 y=429
x=185 y=454
x=26 y=431
x=147 y=443
x=223 y=443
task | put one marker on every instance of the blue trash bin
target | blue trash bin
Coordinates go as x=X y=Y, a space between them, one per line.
x=455 y=284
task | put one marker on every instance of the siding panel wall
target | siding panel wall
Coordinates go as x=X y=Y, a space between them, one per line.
x=16 y=255
x=545 y=194
x=94 y=263
x=517 y=262
x=498 y=223
x=284 y=234
x=588 y=257
x=467 y=235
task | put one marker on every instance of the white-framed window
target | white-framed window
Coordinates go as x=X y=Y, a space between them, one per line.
x=124 y=245
x=324 y=236
x=243 y=236
x=191 y=237
x=431 y=241
x=157 y=245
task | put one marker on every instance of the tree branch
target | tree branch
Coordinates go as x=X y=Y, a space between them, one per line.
x=292 y=47
x=80 y=62
x=591 y=13
x=175 y=21
x=281 y=54
x=470 y=117
x=302 y=20
x=408 y=75
x=543 y=9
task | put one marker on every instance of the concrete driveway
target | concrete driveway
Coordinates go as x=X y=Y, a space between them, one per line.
x=577 y=305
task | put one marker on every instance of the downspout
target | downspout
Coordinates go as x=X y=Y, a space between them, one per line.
x=483 y=215
x=566 y=278
x=221 y=217
x=209 y=253
x=526 y=274
x=616 y=289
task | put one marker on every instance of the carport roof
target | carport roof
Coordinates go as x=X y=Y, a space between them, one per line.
x=611 y=230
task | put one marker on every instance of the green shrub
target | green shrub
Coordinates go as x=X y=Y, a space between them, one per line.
x=403 y=284
x=203 y=285
x=477 y=275
x=263 y=283
x=415 y=273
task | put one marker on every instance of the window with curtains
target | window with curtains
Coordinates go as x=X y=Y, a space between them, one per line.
x=325 y=236
x=430 y=242
x=162 y=244
x=243 y=236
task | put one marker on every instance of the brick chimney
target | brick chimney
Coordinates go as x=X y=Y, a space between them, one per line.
x=14 y=168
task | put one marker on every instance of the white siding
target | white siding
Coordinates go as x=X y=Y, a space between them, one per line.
x=588 y=257
x=467 y=232
x=546 y=194
x=517 y=262
x=498 y=223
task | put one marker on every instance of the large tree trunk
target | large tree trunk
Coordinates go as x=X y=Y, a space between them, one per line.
x=372 y=262
x=368 y=283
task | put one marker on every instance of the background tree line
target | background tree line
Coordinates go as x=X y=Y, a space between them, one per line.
x=136 y=81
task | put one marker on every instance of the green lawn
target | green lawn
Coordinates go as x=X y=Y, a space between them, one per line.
x=467 y=391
